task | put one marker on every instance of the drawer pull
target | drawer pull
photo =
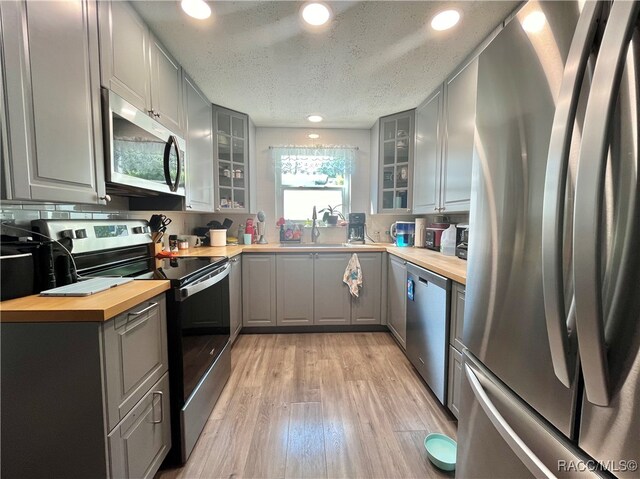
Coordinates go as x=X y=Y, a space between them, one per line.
x=153 y=405
x=143 y=310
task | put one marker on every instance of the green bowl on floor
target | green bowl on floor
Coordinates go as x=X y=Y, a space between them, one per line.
x=441 y=451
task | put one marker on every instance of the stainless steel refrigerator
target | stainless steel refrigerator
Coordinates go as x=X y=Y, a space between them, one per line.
x=551 y=373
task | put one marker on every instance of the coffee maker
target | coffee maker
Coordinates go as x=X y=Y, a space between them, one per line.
x=355 y=230
x=462 y=241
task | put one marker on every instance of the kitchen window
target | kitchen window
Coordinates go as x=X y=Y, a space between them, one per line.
x=308 y=177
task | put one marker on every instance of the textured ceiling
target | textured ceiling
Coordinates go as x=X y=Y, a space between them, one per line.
x=375 y=58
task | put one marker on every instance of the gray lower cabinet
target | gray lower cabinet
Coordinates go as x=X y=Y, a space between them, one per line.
x=455 y=347
x=92 y=398
x=454 y=380
x=331 y=299
x=303 y=289
x=139 y=444
x=52 y=93
x=235 y=296
x=397 y=294
x=457 y=316
x=137 y=67
x=366 y=308
x=199 y=139
x=259 y=290
x=295 y=289
x=135 y=355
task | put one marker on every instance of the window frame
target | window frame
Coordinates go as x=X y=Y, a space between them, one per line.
x=346 y=196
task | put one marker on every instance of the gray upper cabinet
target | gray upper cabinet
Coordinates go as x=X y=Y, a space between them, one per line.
x=395 y=178
x=366 y=308
x=235 y=296
x=137 y=67
x=428 y=157
x=232 y=174
x=331 y=301
x=295 y=290
x=125 y=55
x=397 y=291
x=259 y=290
x=199 y=138
x=166 y=86
x=52 y=94
x=460 y=110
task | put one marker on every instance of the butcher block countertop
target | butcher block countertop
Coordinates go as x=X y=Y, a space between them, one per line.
x=232 y=251
x=450 y=267
x=94 y=308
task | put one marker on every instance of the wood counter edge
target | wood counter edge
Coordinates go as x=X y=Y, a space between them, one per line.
x=431 y=266
x=41 y=314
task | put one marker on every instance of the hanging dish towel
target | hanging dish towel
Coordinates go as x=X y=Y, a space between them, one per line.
x=353 y=275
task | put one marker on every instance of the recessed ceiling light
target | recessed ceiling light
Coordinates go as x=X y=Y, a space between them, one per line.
x=316 y=13
x=534 y=22
x=196 y=8
x=445 y=20
x=314 y=118
x=313 y=136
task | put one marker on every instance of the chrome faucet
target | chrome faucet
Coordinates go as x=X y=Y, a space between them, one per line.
x=315 y=232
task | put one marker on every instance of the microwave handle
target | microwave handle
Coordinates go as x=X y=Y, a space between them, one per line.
x=172 y=142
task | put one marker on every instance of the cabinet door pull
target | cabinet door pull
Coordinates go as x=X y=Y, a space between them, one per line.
x=143 y=310
x=153 y=407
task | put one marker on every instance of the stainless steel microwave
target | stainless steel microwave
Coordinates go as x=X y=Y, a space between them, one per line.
x=141 y=154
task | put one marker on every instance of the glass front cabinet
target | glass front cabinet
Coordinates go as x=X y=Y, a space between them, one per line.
x=232 y=160
x=396 y=162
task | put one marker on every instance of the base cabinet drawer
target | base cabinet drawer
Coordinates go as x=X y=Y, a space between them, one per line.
x=139 y=444
x=135 y=356
x=454 y=380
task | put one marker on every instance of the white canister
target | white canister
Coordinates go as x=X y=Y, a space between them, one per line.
x=218 y=237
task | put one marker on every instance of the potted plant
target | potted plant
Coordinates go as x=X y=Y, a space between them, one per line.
x=331 y=215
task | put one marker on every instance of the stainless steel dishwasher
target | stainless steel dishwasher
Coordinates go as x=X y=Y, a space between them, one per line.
x=428 y=326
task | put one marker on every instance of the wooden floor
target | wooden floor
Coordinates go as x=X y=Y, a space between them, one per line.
x=334 y=405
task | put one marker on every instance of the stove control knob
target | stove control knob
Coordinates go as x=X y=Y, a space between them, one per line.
x=68 y=234
x=81 y=233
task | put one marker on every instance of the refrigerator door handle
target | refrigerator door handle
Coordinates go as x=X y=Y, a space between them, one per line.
x=563 y=351
x=517 y=445
x=589 y=196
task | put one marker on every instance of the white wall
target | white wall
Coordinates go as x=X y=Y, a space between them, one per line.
x=265 y=188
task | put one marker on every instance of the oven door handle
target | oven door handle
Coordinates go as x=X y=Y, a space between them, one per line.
x=215 y=277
